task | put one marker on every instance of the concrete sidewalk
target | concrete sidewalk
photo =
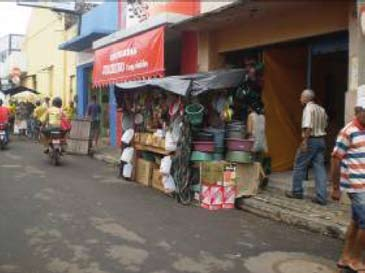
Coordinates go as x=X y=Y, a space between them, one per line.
x=330 y=220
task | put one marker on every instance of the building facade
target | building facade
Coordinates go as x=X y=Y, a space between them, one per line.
x=48 y=70
x=10 y=57
x=321 y=51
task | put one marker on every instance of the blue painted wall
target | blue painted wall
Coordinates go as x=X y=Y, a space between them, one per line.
x=103 y=18
x=82 y=88
x=112 y=116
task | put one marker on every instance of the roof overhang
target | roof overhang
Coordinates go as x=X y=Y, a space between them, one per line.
x=164 y=19
x=84 y=41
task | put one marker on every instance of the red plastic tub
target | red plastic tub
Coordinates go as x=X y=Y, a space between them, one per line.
x=203 y=146
x=236 y=144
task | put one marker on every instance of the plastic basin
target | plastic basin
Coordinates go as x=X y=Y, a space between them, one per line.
x=239 y=157
x=203 y=146
x=236 y=144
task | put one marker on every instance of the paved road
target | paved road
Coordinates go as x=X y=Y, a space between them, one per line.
x=78 y=218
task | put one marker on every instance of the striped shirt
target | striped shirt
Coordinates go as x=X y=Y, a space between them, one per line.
x=315 y=118
x=350 y=148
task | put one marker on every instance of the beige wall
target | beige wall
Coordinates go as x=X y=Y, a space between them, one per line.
x=51 y=66
x=274 y=25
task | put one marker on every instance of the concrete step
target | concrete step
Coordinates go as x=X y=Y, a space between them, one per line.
x=330 y=220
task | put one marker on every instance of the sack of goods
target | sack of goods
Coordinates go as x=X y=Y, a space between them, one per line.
x=128 y=136
x=168 y=183
x=127 y=155
x=165 y=166
x=127 y=170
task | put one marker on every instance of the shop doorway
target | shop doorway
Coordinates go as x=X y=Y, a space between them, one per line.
x=329 y=80
x=102 y=95
x=290 y=68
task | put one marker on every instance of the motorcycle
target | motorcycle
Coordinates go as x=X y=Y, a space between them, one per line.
x=3 y=136
x=57 y=144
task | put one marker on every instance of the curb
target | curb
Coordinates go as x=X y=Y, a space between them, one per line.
x=292 y=218
x=110 y=160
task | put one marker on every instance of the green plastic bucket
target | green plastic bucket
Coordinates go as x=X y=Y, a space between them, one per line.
x=201 y=156
x=195 y=113
x=239 y=157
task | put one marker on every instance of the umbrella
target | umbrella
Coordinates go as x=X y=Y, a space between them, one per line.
x=18 y=89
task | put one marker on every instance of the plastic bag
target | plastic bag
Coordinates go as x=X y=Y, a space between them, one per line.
x=127 y=155
x=128 y=136
x=65 y=123
x=165 y=166
x=170 y=143
x=127 y=170
x=168 y=184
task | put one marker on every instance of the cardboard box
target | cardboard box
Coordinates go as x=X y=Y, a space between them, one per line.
x=247 y=179
x=137 y=137
x=144 y=172
x=157 y=180
x=211 y=173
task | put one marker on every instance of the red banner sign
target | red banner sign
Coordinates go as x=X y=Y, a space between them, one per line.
x=135 y=58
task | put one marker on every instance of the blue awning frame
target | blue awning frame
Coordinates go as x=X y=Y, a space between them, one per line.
x=84 y=41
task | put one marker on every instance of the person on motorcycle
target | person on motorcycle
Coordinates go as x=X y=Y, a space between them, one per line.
x=39 y=111
x=4 y=117
x=51 y=120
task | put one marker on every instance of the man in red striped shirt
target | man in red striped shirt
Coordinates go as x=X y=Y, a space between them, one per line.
x=348 y=175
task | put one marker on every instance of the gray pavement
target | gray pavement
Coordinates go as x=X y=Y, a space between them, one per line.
x=79 y=218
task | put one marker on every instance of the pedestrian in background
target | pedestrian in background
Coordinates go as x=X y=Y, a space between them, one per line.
x=70 y=110
x=94 y=113
x=311 y=150
x=47 y=102
x=348 y=175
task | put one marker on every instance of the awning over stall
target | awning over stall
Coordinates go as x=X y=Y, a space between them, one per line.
x=194 y=84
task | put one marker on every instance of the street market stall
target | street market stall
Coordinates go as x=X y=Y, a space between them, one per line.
x=186 y=134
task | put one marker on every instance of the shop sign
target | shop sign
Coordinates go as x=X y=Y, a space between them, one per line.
x=134 y=58
x=139 y=11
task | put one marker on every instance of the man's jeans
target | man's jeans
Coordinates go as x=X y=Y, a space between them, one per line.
x=314 y=155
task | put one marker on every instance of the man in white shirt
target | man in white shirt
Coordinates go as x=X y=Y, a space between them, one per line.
x=311 y=150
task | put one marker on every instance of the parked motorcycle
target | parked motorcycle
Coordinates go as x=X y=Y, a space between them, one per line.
x=3 y=136
x=57 y=147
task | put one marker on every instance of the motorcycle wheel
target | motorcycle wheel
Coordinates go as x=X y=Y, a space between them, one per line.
x=2 y=145
x=55 y=158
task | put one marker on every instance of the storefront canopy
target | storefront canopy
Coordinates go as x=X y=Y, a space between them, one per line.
x=84 y=41
x=19 y=89
x=194 y=84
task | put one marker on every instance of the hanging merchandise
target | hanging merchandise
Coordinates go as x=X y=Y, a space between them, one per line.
x=170 y=143
x=165 y=166
x=169 y=183
x=195 y=113
x=127 y=170
x=127 y=155
x=128 y=136
x=138 y=119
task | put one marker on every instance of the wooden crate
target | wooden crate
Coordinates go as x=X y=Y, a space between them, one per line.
x=80 y=129
x=77 y=146
x=157 y=180
x=144 y=172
